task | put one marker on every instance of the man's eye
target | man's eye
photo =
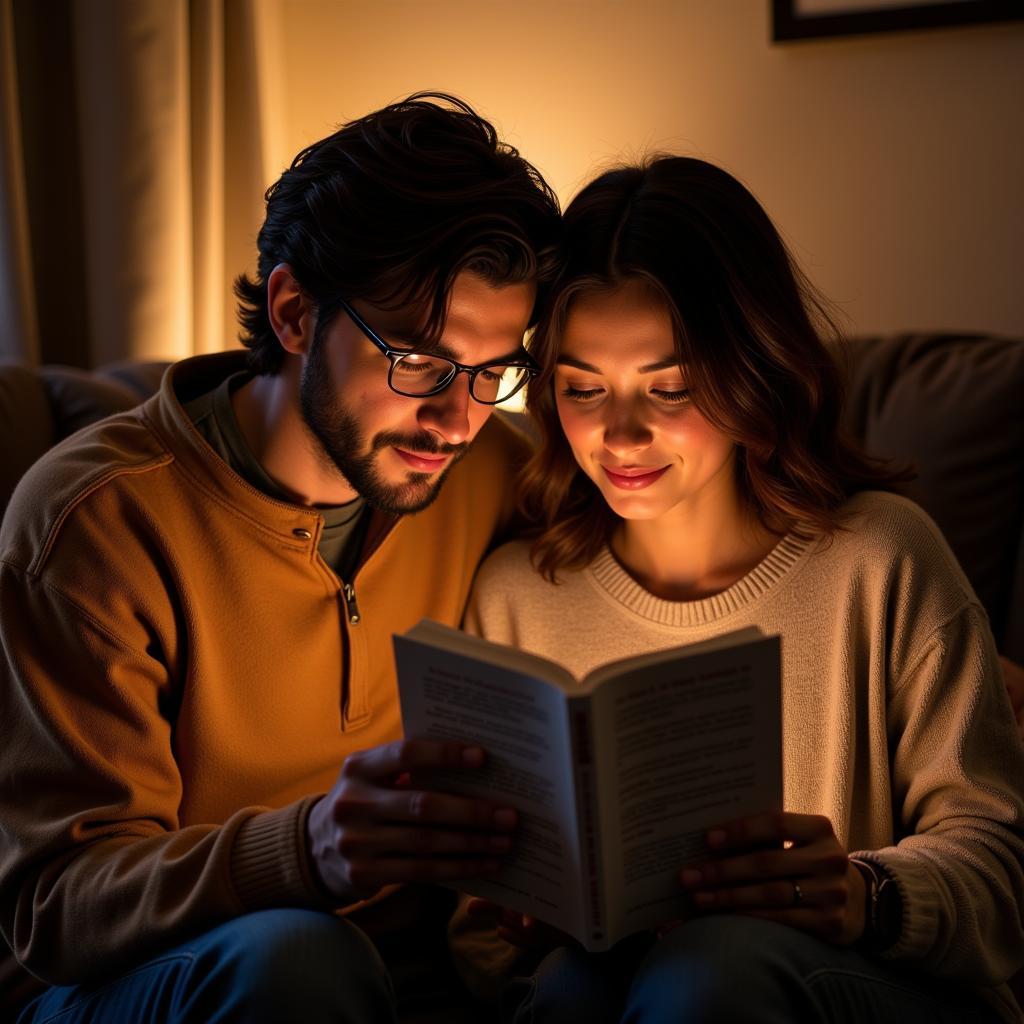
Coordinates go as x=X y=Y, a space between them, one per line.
x=580 y=394
x=414 y=365
x=672 y=397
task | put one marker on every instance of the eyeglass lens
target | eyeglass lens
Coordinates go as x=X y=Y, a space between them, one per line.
x=420 y=374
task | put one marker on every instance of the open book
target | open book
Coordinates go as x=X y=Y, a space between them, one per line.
x=616 y=778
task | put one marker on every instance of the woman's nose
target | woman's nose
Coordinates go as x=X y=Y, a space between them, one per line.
x=626 y=430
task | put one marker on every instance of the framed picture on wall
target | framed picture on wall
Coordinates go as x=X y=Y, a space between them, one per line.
x=808 y=19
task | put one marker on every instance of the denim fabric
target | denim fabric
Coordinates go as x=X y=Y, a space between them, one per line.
x=271 y=967
x=724 y=969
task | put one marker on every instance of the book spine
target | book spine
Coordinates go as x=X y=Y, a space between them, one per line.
x=581 y=730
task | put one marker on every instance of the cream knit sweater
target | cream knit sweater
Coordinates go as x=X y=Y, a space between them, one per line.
x=896 y=725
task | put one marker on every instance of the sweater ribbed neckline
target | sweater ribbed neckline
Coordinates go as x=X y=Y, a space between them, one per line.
x=611 y=577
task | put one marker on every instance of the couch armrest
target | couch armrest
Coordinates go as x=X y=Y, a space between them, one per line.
x=27 y=426
x=41 y=406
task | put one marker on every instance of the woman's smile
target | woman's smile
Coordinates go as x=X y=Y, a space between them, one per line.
x=624 y=404
x=633 y=478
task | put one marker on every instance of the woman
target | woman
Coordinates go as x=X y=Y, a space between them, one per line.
x=691 y=479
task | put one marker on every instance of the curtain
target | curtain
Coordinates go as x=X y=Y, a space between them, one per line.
x=138 y=138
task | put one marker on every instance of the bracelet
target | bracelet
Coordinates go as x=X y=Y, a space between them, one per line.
x=883 y=907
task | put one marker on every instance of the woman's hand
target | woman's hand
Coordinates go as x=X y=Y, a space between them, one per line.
x=782 y=867
x=520 y=930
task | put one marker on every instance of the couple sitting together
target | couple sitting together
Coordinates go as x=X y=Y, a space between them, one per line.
x=207 y=809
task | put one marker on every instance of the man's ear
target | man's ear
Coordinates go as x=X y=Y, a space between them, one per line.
x=290 y=311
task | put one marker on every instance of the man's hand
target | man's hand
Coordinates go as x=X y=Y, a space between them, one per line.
x=375 y=827
x=783 y=867
x=518 y=929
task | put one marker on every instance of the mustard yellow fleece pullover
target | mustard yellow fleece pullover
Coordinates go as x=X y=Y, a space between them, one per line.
x=173 y=684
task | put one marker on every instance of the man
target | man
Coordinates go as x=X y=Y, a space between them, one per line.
x=197 y=600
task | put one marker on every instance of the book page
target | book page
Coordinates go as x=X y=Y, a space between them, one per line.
x=522 y=724
x=684 y=746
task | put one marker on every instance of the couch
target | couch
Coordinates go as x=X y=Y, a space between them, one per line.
x=950 y=404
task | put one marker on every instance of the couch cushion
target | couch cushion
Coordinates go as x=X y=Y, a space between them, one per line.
x=80 y=397
x=142 y=377
x=953 y=406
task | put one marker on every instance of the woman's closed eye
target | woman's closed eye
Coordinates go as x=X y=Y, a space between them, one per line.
x=575 y=394
x=665 y=395
x=671 y=395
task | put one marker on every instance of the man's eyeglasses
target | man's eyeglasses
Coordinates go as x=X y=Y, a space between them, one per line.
x=420 y=374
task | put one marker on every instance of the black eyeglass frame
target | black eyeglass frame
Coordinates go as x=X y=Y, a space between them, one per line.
x=526 y=362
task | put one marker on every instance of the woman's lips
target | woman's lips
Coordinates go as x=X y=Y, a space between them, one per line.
x=634 y=478
x=421 y=463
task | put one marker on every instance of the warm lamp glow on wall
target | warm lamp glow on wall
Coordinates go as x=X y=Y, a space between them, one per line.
x=517 y=403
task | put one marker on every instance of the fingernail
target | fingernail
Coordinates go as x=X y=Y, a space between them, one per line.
x=504 y=819
x=716 y=837
x=690 y=876
x=473 y=756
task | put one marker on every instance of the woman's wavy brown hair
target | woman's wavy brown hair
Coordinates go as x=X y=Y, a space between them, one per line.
x=748 y=330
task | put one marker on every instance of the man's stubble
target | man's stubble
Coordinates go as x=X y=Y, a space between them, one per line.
x=341 y=442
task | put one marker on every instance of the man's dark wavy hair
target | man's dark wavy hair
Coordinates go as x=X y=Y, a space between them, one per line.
x=391 y=208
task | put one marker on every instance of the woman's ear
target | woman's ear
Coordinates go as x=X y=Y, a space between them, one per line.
x=290 y=311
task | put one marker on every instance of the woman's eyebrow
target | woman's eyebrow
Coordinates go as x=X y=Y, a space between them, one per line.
x=578 y=363
x=672 y=362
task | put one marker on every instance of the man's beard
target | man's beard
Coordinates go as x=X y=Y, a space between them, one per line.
x=341 y=440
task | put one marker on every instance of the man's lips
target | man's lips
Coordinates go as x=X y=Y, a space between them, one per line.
x=422 y=463
x=634 y=478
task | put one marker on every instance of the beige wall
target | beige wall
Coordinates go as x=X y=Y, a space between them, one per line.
x=894 y=164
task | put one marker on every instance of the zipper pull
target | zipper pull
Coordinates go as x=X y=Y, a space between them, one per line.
x=350 y=603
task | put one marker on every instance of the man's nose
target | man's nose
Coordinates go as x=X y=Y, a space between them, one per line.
x=447 y=413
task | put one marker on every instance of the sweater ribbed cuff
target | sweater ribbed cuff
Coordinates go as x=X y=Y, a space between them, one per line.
x=270 y=863
x=917 y=898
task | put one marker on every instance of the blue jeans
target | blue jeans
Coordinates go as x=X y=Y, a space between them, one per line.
x=271 y=967
x=725 y=969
